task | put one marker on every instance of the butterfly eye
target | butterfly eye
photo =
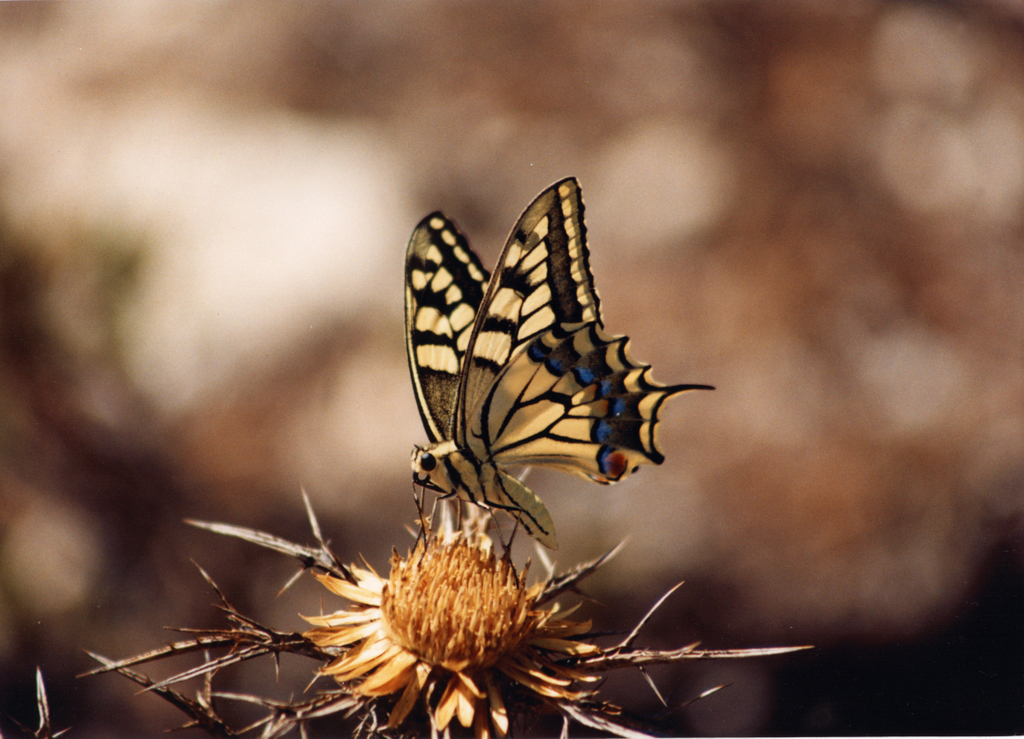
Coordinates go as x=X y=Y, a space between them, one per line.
x=427 y=461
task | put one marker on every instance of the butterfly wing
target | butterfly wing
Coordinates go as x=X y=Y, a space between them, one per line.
x=444 y=284
x=542 y=280
x=575 y=400
x=543 y=383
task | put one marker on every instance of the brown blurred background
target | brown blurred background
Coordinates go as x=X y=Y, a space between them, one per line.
x=816 y=207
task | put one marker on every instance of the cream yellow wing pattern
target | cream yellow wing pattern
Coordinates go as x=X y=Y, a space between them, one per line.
x=540 y=382
x=444 y=284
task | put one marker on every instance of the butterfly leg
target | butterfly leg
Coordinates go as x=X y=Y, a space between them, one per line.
x=424 y=522
x=518 y=517
x=497 y=531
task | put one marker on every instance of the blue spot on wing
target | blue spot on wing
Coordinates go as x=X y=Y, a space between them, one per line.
x=555 y=366
x=584 y=376
x=602 y=430
x=616 y=406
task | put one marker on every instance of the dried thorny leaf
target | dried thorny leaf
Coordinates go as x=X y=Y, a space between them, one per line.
x=311 y=557
x=45 y=730
x=247 y=640
x=203 y=715
x=617 y=659
x=454 y=633
x=556 y=585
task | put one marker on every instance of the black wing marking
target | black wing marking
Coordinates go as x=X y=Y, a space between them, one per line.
x=444 y=285
x=542 y=280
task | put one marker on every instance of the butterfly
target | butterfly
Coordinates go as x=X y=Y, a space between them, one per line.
x=515 y=369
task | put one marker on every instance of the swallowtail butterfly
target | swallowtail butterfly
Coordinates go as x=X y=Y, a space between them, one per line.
x=516 y=368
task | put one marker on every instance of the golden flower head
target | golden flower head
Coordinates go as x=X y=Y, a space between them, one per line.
x=453 y=631
x=451 y=620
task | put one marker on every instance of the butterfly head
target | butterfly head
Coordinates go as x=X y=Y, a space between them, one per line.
x=429 y=470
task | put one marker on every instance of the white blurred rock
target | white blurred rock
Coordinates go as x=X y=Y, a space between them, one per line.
x=973 y=165
x=924 y=51
x=918 y=378
x=952 y=136
x=254 y=227
x=50 y=558
x=664 y=181
x=356 y=438
x=282 y=226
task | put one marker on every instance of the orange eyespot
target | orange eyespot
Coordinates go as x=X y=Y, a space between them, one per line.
x=613 y=463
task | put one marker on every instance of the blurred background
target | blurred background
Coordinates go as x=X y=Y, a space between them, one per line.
x=816 y=207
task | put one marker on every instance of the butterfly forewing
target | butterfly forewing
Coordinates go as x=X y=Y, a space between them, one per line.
x=542 y=279
x=444 y=284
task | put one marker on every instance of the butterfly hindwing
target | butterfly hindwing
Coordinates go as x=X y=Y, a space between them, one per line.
x=574 y=401
x=444 y=284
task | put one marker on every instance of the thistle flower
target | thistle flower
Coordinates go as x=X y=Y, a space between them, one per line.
x=453 y=629
x=452 y=620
